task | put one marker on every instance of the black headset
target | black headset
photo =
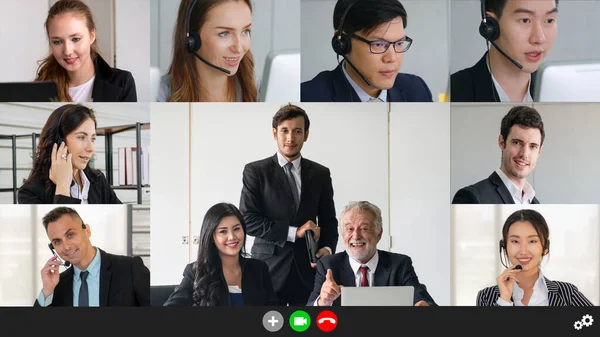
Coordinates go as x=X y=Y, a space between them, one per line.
x=193 y=42
x=489 y=27
x=60 y=138
x=340 y=42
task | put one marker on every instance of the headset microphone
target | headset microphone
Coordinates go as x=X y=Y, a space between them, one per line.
x=193 y=42
x=490 y=30
x=342 y=44
x=67 y=264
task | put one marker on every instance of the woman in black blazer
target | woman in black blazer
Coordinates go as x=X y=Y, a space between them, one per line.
x=221 y=275
x=525 y=242
x=61 y=174
x=75 y=64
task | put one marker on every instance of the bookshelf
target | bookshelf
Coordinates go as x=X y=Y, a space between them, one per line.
x=107 y=133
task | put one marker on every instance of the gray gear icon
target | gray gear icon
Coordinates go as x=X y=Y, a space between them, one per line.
x=578 y=325
x=587 y=320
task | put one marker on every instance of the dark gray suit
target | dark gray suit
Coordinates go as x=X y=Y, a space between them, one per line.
x=392 y=270
x=488 y=191
x=268 y=208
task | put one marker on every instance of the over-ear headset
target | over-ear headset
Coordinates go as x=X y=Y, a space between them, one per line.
x=193 y=42
x=489 y=27
x=340 y=42
x=60 y=138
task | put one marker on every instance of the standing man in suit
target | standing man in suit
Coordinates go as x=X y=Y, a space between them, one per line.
x=369 y=36
x=97 y=279
x=521 y=141
x=362 y=264
x=283 y=197
x=522 y=33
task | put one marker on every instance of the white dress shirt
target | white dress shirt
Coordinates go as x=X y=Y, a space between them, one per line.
x=81 y=194
x=364 y=97
x=539 y=297
x=520 y=197
x=503 y=96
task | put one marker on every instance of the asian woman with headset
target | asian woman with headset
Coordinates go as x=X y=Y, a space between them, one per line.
x=525 y=242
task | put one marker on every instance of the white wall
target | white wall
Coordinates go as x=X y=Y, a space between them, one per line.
x=428 y=26
x=275 y=27
x=27 y=118
x=121 y=36
x=573 y=42
x=24 y=245
x=565 y=173
x=366 y=147
x=574 y=254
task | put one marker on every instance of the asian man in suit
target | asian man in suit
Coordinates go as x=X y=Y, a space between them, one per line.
x=522 y=33
x=369 y=35
x=521 y=141
x=362 y=264
x=96 y=278
x=283 y=197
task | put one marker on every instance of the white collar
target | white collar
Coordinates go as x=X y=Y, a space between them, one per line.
x=282 y=161
x=364 y=97
x=371 y=264
x=528 y=193
x=501 y=94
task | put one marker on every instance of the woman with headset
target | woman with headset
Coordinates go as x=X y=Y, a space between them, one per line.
x=222 y=275
x=61 y=173
x=211 y=61
x=525 y=241
x=75 y=64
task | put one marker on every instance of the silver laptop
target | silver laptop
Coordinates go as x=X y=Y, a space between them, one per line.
x=399 y=296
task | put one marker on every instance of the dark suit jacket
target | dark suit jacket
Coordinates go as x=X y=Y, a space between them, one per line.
x=475 y=84
x=112 y=84
x=124 y=281
x=559 y=294
x=488 y=191
x=268 y=208
x=257 y=288
x=392 y=270
x=332 y=86
x=34 y=192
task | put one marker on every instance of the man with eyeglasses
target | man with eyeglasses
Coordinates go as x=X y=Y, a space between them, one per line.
x=369 y=36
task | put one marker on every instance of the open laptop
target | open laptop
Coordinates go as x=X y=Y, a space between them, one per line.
x=28 y=92
x=400 y=296
x=576 y=81
x=281 y=77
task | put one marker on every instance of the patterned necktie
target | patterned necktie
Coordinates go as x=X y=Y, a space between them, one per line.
x=288 y=172
x=364 y=280
x=83 y=291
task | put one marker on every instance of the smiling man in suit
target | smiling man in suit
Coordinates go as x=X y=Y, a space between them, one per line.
x=97 y=279
x=283 y=196
x=362 y=264
x=521 y=141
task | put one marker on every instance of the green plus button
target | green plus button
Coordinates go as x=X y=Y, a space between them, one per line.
x=299 y=321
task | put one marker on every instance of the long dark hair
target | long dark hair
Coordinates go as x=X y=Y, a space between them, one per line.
x=70 y=116
x=183 y=71
x=49 y=69
x=208 y=268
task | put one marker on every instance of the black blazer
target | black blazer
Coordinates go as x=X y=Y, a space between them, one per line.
x=124 y=281
x=332 y=86
x=268 y=208
x=488 y=191
x=34 y=192
x=559 y=294
x=112 y=84
x=475 y=84
x=257 y=289
x=392 y=270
